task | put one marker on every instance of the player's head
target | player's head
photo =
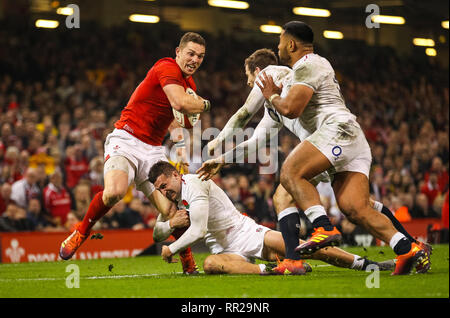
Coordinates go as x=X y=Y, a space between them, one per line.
x=258 y=61
x=166 y=179
x=190 y=52
x=295 y=38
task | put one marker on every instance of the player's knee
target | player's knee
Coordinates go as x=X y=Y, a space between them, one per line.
x=112 y=196
x=211 y=266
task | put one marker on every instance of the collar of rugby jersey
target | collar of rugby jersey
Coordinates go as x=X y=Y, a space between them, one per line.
x=302 y=60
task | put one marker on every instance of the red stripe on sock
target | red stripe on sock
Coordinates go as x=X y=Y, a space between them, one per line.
x=97 y=209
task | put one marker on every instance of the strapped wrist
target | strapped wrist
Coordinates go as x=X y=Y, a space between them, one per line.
x=207 y=105
x=273 y=97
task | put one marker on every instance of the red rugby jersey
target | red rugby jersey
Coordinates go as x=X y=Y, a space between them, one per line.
x=148 y=113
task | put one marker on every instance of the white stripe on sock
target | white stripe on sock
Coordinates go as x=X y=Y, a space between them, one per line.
x=395 y=239
x=314 y=212
x=286 y=212
x=378 y=206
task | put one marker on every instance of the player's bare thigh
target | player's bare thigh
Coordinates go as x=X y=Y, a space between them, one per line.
x=305 y=161
x=227 y=264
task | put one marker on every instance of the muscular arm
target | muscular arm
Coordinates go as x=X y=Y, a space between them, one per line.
x=182 y=101
x=198 y=213
x=293 y=105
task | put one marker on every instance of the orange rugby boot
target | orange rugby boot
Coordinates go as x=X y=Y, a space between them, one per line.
x=424 y=264
x=319 y=239
x=71 y=244
x=406 y=262
x=288 y=267
x=188 y=262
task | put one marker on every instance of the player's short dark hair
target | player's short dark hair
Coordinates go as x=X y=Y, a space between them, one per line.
x=192 y=37
x=300 y=31
x=159 y=168
x=261 y=58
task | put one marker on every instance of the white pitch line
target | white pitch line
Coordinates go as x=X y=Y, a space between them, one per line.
x=88 y=277
x=104 y=276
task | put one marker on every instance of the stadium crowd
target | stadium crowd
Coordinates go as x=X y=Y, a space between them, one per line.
x=61 y=92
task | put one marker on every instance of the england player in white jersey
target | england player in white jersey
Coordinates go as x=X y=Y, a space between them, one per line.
x=336 y=144
x=233 y=239
x=285 y=206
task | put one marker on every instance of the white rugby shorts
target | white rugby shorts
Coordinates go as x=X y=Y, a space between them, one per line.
x=345 y=146
x=141 y=155
x=245 y=239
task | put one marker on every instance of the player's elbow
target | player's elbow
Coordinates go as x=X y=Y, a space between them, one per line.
x=199 y=233
x=292 y=111
x=177 y=105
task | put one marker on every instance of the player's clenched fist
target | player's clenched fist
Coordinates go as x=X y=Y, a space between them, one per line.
x=167 y=255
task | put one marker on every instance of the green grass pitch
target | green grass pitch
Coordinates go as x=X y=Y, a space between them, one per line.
x=150 y=277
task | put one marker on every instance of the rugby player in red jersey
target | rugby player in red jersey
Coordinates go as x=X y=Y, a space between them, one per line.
x=136 y=142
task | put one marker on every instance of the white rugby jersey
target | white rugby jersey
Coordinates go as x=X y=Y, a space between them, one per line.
x=210 y=211
x=327 y=101
x=271 y=119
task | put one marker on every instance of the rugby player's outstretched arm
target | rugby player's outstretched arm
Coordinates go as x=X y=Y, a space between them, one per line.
x=240 y=119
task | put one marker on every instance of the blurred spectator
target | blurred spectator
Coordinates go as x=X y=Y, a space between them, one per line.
x=57 y=201
x=431 y=188
x=76 y=165
x=5 y=197
x=132 y=216
x=15 y=219
x=24 y=190
x=82 y=199
x=422 y=209
x=37 y=216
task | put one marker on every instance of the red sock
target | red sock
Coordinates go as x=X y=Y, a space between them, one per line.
x=96 y=210
x=176 y=234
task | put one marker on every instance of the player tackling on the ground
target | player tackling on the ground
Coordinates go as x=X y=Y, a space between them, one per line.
x=136 y=142
x=336 y=144
x=234 y=239
x=285 y=207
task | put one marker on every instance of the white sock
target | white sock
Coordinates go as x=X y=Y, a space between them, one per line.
x=314 y=212
x=287 y=212
x=262 y=267
x=395 y=239
x=378 y=206
x=358 y=262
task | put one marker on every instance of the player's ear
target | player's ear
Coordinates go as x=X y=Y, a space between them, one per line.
x=177 y=50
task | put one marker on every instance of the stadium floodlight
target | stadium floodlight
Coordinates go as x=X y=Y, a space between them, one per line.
x=270 y=28
x=312 y=12
x=445 y=24
x=230 y=4
x=430 y=52
x=423 y=42
x=333 y=35
x=64 y=11
x=144 y=18
x=388 y=19
x=47 y=24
